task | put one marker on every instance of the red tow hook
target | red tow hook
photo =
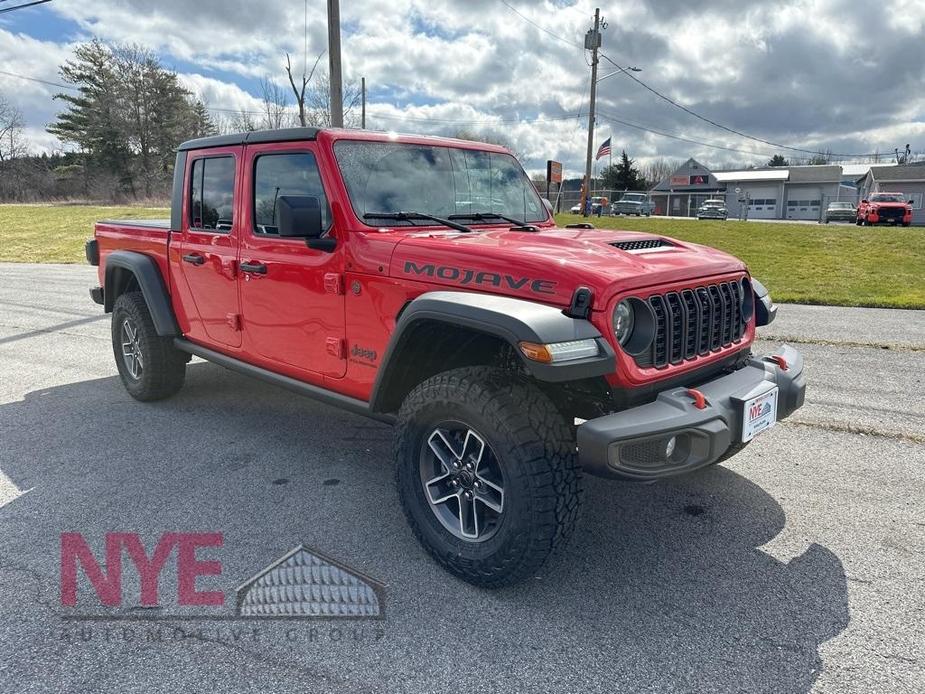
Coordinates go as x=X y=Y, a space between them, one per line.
x=700 y=400
x=780 y=361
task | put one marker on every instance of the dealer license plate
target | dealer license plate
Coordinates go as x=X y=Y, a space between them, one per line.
x=760 y=414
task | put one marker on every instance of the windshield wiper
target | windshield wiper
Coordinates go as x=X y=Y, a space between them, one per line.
x=482 y=216
x=411 y=216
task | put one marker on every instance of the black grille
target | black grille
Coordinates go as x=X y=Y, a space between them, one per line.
x=691 y=323
x=891 y=213
x=640 y=245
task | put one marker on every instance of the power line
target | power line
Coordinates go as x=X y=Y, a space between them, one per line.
x=541 y=28
x=682 y=107
x=451 y=121
x=36 y=79
x=613 y=119
x=724 y=127
x=22 y=7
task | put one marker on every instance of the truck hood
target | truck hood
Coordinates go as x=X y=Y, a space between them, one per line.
x=550 y=264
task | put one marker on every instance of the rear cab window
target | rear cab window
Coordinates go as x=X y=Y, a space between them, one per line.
x=211 y=194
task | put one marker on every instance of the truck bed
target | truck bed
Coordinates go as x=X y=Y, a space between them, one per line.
x=148 y=236
x=146 y=223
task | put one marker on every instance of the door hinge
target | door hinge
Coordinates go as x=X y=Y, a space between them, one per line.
x=337 y=347
x=333 y=283
x=234 y=320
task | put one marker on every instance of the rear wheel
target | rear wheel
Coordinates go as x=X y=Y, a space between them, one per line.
x=150 y=367
x=487 y=474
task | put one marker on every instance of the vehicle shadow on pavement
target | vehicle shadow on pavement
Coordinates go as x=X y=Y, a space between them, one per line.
x=663 y=587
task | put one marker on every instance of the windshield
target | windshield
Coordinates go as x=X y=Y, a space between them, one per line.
x=441 y=181
x=888 y=197
x=841 y=206
x=713 y=203
x=631 y=197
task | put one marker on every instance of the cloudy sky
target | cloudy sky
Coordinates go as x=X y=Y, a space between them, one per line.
x=837 y=75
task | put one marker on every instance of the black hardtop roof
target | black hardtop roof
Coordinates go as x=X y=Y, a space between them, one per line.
x=254 y=136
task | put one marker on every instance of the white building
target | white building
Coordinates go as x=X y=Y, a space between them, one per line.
x=785 y=192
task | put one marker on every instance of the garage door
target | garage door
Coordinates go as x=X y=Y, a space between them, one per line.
x=763 y=203
x=805 y=203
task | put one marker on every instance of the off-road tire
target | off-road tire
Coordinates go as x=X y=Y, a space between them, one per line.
x=164 y=366
x=536 y=450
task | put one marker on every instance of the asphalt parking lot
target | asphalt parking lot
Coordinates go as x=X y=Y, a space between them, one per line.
x=797 y=566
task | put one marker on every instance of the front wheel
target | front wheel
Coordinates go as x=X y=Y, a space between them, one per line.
x=487 y=474
x=150 y=367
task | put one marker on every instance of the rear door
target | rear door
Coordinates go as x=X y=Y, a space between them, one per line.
x=292 y=302
x=209 y=245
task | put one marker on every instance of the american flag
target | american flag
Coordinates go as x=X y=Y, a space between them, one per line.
x=603 y=150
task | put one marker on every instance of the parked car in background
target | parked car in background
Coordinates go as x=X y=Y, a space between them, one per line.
x=712 y=209
x=841 y=211
x=597 y=205
x=633 y=203
x=885 y=208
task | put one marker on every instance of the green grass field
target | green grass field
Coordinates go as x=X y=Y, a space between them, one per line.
x=836 y=264
x=818 y=264
x=56 y=233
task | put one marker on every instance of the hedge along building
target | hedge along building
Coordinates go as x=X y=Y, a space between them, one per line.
x=907 y=179
x=786 y=192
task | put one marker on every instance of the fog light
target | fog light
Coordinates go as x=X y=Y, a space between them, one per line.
x=669 y=449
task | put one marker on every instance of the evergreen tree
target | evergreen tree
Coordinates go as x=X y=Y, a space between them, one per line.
x=623 y=175
x=128 y=116
x=778 y=160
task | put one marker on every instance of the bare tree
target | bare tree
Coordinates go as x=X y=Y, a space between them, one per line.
x=275 y=114
x=243 y=121
x=299 y=92
x=11 y=126
x=657 y=170
x=318 y=103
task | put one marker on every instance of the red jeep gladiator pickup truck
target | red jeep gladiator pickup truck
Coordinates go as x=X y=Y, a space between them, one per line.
x=885 y=208
x=421 y=281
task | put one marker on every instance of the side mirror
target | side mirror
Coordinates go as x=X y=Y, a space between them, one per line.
x=863 y=202
x=300 y=215
x=910 y=202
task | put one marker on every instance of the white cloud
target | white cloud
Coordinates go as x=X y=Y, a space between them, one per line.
x=788 y=71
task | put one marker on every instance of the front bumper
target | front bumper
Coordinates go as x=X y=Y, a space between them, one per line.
x=632 y=444
x=875 y=218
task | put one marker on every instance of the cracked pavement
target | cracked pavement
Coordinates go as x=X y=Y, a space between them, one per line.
x=796 y=566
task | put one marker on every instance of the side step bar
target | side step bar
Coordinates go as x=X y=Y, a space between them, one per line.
x=321 y=394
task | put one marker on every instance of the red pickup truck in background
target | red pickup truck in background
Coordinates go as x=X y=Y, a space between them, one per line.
x=421 y=281
x=885 y=208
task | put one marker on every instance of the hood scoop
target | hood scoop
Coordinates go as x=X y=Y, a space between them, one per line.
x=644 y=245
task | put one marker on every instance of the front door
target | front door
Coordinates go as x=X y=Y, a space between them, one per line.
x=209 y=246
x=292 y=296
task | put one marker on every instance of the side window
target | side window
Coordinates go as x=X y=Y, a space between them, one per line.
x=293 y=173
x=212 y=194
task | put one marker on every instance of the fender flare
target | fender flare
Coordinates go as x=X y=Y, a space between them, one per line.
x=150 y=282
x=512 y=320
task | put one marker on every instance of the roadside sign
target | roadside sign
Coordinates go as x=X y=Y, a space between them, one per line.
x=553 y=171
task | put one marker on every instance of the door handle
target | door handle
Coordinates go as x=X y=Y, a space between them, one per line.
x=194 y=258
x=254 y=268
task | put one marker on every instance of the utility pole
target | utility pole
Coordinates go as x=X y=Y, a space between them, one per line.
x=592 y=43
x=337 y=91
x=363 y=103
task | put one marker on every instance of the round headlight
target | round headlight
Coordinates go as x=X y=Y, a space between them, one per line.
x=623 y=320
